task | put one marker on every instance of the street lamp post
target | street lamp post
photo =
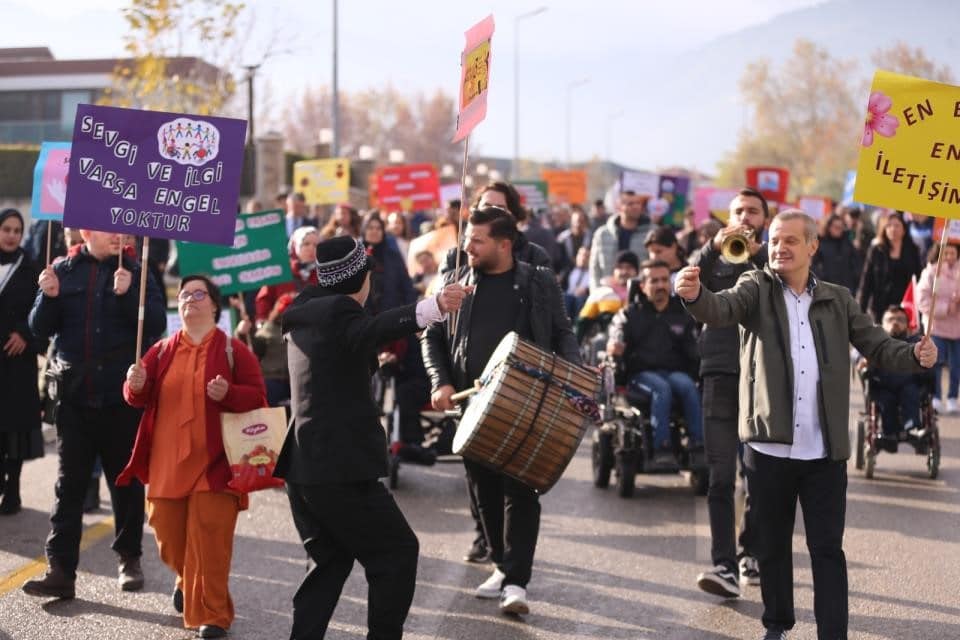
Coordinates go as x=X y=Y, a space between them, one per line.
x=251 y=72
x=570 y=87
x=516 y=87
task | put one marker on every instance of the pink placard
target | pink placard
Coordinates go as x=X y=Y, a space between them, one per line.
x=712 y=200
x=55 y=180
x=474 y=78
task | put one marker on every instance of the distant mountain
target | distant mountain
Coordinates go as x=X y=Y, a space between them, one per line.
x=704 y=108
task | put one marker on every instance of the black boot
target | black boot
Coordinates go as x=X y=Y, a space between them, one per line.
x=55 y=584
x=130 y=575
x=91 y=502
x=11 y=494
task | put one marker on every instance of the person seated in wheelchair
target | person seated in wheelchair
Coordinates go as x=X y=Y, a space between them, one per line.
x=603 y=303
x=898 y=395
x=656 y=340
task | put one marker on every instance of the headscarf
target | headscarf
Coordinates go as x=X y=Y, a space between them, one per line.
x=7 y=257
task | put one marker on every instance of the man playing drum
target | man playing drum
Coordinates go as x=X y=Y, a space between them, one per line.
x=509 y=296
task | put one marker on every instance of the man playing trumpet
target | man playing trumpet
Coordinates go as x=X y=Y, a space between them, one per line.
x=734 y=250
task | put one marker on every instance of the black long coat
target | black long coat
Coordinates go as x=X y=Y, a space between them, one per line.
x=18 y=392
x=336 y=436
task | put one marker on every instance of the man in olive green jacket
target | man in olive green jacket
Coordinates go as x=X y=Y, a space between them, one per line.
x=795 y=333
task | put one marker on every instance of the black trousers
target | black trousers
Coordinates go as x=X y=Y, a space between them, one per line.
x=82 y=435
x=821 y=487
x=412 y=393
x=722 y=445
x=343 y=523
x=510 y=513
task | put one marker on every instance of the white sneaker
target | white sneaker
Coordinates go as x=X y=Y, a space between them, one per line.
x=720 y=581
x=514 y=600
x=492 y=586
x=951 y=405
x=749 y=571
x=937 y=406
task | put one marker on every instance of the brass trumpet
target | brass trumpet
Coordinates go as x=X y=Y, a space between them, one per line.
x=736 y=247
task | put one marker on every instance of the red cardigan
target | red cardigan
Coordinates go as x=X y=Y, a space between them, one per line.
x=245 y=393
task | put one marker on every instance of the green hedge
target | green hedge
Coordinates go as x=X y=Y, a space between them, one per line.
x=290 y=157
x=16 y=170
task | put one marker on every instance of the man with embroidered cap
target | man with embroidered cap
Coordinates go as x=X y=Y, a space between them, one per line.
x=795 y=333
x=336 y=449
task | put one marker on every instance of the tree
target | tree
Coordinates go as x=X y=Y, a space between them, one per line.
x=804 y=119
x=422 y=126
x=158 y=75
x=900 y=58
x=808 y=116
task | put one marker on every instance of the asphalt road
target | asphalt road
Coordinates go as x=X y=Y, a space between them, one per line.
x=605 y=567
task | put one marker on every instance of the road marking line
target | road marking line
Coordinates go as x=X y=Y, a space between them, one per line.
x=35 y=567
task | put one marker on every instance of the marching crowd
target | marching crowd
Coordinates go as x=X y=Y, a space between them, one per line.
x=571 y=279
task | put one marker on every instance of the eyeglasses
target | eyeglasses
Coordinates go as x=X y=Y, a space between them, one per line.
x=196 y=295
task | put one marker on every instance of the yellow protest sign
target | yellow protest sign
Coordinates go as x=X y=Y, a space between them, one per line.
x=323 y=181
x=910 y=149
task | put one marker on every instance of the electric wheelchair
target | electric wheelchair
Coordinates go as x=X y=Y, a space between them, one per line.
x=623 y=442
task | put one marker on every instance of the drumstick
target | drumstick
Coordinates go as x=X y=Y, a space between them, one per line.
x=460 y=396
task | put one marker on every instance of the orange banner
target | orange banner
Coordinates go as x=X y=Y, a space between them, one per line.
x=569 y=187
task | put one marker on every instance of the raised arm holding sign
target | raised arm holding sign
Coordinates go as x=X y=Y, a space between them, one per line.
x=909 y=150
x=154 y=174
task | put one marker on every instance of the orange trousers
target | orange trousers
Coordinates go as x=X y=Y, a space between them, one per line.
x=195 y=538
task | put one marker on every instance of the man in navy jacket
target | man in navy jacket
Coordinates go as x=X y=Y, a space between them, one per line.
x=89 y=302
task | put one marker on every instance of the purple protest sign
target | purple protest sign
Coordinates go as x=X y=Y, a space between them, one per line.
x=156 y=174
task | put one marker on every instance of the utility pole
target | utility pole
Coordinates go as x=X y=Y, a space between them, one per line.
x=251 y=72
x=335 y=146
x=515 y=165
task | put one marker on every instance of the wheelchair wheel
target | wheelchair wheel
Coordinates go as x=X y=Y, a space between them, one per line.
x=601 y=451
x=861 y=441
x=394 y=471
x=700 y=481
x=626 y=472
x=870 y=464
x=933 y=456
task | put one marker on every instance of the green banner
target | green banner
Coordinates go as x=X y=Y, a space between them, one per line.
x=533 y=194
x=258 y=255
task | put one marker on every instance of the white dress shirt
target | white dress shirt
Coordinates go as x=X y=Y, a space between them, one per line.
x=428 y=311
x=807 y=435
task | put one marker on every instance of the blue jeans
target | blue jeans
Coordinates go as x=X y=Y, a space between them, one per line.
x=662 y=385
x=948 y=352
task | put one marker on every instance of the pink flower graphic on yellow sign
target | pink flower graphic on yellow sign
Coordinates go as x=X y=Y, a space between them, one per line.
x=879 y=119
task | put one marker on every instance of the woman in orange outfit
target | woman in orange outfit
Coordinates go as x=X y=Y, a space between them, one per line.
x=184 y=383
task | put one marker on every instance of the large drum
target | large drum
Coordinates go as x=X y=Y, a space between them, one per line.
x=529 y=415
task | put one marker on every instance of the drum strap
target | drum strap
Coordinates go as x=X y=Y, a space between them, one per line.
x=547 y=381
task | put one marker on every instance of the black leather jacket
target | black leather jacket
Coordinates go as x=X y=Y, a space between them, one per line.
x=657 y=339
x=548 y=325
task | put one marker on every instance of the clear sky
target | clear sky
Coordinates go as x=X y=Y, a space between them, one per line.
x=617 y=46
